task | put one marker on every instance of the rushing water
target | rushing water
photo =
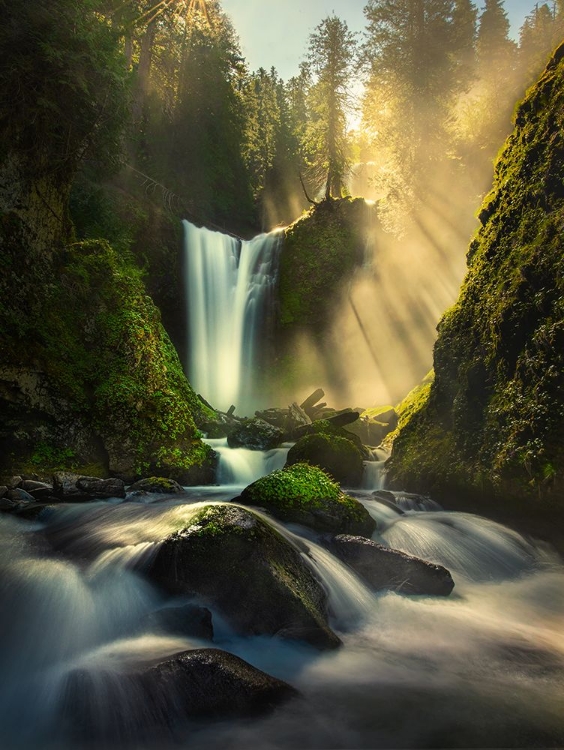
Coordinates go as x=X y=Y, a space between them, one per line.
x=481 y=668
x=229 y=288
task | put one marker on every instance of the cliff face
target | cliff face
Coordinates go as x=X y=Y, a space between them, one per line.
x=492 y=425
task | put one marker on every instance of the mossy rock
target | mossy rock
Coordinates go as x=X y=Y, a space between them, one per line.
x=491 y=425
x=159 y=485
x=305 y=494
x=320 y=253
x=249 y=572
x=335 y=455
x=102 y=381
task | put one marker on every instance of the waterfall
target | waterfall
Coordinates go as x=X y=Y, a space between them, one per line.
x=229 y=288
x=241 y=466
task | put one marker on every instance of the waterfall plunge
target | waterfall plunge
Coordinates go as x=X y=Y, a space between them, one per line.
x=229 y=285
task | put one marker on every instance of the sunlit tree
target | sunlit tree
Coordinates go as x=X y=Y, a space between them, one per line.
x=331 y=54
x=538 y=36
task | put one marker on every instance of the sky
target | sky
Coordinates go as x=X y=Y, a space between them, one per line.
x=275 y=32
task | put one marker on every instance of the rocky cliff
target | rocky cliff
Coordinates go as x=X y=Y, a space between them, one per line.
x=492 y=424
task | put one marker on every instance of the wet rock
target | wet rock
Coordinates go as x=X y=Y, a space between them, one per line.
x=255 y=434
x=3 y=490
x=14 y=482
x=19 y=496
x=336 y=455
x=37 y=489
x=304 y=494
x=211 y=682
x=385 y=568
x=77 y=487
x=160 y=485
x=200 y=683
x=249 y=572
x=190 y=620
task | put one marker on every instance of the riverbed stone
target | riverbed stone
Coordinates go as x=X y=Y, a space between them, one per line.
x=240 y=565
x=385 y=568
x=159 y=485
x=206 y=683
x=305 y=494
x=78 y=487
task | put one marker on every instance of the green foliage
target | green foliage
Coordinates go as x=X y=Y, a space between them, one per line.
x=494 y=416
x=335 y=454
x=64 y=84
x=332 y=50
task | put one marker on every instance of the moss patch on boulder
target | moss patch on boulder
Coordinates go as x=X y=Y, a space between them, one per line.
x=305 y=494
x=492 y=423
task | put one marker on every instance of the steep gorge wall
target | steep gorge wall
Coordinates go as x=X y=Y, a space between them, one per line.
x=492 y=426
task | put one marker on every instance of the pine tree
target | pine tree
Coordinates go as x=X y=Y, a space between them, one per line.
x=538 y=36
x=331 y=54
x=465 y=27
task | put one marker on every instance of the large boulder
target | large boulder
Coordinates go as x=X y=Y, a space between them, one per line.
x=121 y=707
x=305 y=494
x=338 y=456
x=385 y=568
x=255 y=434
x=249 y=572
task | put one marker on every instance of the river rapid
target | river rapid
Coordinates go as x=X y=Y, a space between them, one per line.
x=481 y=668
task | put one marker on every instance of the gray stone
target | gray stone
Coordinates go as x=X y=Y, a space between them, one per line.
x=255 y=434
x=385 y=568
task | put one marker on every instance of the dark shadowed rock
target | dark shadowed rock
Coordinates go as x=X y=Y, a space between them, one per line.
x=18 y=495
x=255 y=434
x=112 y=707
x=160 y=485
x=307 y=495
x=385 y=568
x=38 y=490
x=247 y=570
x=77 y=487
x=336 y=455
x=190 y=619
x=3 y=490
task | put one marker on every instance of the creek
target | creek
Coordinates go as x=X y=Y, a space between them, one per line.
x=481 y=668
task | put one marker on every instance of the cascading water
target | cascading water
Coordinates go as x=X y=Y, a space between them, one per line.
x=481 y=668
x=242 y=466
x=229 y=288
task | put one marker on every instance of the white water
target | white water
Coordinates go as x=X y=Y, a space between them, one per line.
x=229 y=285
x=374 y=476
x=481 y=668
x=239 y=467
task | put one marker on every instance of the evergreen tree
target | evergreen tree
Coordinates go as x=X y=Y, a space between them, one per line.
x=414 y=55
x=539 y=34
x=496 y=51
x=465 y=27
x=332 y=49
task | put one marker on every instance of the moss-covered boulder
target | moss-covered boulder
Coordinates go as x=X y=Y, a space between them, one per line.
x=305 y=494
x=249 y=572
x=335 y=455
x=492 y=423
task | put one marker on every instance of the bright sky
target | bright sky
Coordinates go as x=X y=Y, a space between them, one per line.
x=276 y=32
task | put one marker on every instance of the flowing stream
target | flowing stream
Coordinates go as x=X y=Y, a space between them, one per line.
x=481 y=668
x=229 y=288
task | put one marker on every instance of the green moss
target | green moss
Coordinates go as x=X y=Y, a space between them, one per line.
x=306 y=494
x=100 y=343
x=493 y=421
x=297 y=485
x=334 y=454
